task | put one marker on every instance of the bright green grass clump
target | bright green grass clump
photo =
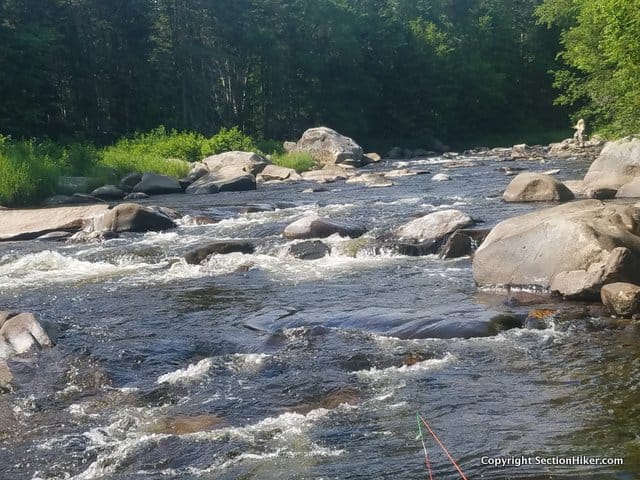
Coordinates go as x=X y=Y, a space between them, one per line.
x=299 y=161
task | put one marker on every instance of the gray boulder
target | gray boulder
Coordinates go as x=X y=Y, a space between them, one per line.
x=28 y=224
x=621 y=299
x=328 y=174
x=536 y=187
x=129 y=181
x=108 y=192
x=200 y=254
x=197 y=171
x=371 y=180
x=154 y=184
x=20 y=332
x=276 y=173
x=214 y=183
x=571 y=249
x=425 y=235
x=309 y=250
x=463 y=242
x=629 y=190
x=245 y=162
x=130 y=217
x=618 y=164
x=329 y=147
x=313 y=226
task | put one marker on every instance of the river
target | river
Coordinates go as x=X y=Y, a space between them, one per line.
x=264 y=366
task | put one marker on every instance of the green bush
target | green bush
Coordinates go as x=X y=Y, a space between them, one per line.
x=27 y=173
x=299 y=161
x=227 y=140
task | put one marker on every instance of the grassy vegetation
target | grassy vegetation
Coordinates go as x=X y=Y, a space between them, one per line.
x=30 y=169
x=299 y=161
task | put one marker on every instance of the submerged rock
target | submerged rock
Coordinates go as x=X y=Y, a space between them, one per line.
x=313 y=226
x=330 y=173
x=200 y=254
x=536 y=187
x=571 y=249
x=309 y=250
x=371 y=180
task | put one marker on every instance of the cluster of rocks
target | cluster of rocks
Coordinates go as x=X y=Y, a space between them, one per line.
x=586 y=249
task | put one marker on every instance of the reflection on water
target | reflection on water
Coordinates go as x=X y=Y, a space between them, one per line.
x=264 y=366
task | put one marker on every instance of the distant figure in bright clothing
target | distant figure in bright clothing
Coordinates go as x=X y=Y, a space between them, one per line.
x=579 y=135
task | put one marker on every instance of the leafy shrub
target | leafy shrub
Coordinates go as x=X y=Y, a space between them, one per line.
x=227 y=140
x=27 y=174
x=299 y=161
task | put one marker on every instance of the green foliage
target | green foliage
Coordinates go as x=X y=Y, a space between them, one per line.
x=299 y=161
x=27 y=173
x=601 y=51
x=227 y=140
x=270 y=147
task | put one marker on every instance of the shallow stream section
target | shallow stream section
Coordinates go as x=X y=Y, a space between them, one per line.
x=263 y=366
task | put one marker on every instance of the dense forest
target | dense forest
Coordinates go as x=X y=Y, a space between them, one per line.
x=391 y=69
x=374 y=69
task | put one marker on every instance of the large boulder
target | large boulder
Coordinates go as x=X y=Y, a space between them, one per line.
x=223 y=181
x=329 y=147
x=154 y=184
x=618 y=164
x=536 y=187
x=130 y=217
x=313 y=226
x=426 y=234
x=571 y=249
x=621 y=298
x=309 y=250
x=245 y=162
x=32 y=223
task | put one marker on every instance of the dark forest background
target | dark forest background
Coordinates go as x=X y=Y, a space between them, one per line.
x=377 y=70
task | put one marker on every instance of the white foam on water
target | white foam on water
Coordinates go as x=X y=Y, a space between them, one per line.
x=49 y=267
x=247 y=362
x=284 y=435
x=398 y=372
x=192 y=373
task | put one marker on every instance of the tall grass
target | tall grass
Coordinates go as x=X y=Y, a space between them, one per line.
x=299 y=161
x=30 y=169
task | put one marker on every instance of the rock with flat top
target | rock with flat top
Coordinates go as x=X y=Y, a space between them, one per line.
x=245 y=162
x=618 y=164
x=154 y=184
x=313 y=226
x=572 y=249
x=130 y=217
x=28 y=224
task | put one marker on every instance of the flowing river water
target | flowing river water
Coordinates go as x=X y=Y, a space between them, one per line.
x=263 y=366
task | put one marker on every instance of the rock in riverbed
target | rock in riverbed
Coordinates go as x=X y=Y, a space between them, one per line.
x=621 y=299
x=19 y=333
x=572 y=249
x=200 y=254
x=130 y=217
x=28 y=224
x=154 y=184
x=329 y=147
x=313 y=226
x=536 y=187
